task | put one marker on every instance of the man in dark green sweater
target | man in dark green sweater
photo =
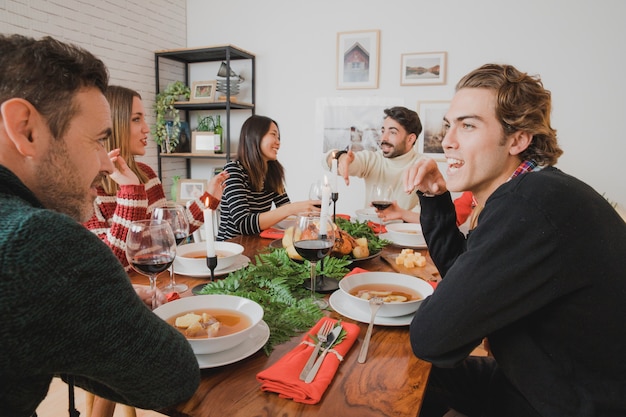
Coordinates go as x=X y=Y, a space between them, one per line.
x=542 y=276
x=66 y=305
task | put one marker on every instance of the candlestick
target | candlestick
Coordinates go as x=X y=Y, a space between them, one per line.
x=325 y=204
x=333 y=171
x=334 y=197
x=211 y=256
x=208 y=228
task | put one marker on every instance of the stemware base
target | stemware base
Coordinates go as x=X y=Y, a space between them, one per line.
x=179 y=288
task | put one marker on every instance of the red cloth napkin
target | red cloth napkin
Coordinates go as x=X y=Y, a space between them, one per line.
x=377 y=227
x=358 y=270
x=172 y=296
x=272 y=233
x=344 y=216
x=283 y=377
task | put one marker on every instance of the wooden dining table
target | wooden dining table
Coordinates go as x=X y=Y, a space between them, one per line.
x=390 y=383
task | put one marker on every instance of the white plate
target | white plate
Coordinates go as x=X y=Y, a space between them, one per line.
x=286 y=223
x=240 y=262
x=342 y=304
x=369 y=215
x=257 y=339
x=387 y=237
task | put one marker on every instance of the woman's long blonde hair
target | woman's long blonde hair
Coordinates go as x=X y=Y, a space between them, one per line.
x=121 y=104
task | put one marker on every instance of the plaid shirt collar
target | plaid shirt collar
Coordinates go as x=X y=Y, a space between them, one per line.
x=524 y=167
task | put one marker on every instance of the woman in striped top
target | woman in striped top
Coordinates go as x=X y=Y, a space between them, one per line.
x=134 y=189
x=256 y=181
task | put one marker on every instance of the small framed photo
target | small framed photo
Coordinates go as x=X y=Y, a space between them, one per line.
x=357 y=59
x=203 y=142
x=190 y=190
x=431 y=115
x=423 y=68
x=203 y=91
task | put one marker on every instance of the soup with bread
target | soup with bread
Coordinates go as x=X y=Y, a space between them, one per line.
x=210 y=322
x=390 y=293
x=198 y=254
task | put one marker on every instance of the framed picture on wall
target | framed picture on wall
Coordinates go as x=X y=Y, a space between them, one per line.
x=351 y=122
x=357 y=59
x=190 y=190
x=423 y=68
x=203 y=91
x=431 y=115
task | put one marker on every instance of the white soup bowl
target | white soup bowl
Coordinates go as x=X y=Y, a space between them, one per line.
x=223 y=302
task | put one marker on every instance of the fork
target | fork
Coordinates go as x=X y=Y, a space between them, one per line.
x=375 y=304
x=322 y=336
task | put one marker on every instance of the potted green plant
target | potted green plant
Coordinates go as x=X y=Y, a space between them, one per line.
x=203 y=136
x=205 y=124
x=164 y=108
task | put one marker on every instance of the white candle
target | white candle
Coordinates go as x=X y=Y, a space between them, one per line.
x=325 y=205
x=333 y=171
x=208 y=228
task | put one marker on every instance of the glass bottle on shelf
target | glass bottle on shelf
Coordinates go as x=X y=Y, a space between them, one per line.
x=219 y=138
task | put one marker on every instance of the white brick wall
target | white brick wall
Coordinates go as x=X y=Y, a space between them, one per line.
x=123 y=33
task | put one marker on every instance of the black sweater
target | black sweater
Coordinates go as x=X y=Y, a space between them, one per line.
x=543 y=276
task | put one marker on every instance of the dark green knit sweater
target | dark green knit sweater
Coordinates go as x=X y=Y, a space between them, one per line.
x=68 y=307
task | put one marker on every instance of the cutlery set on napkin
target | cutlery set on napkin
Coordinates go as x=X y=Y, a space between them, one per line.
x=304 y=373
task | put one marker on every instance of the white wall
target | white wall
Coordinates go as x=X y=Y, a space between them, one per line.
x=123 y=33
x=576 y=47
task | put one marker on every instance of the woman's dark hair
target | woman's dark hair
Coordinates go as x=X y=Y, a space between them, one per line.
x=264 y=175
x=48 y=74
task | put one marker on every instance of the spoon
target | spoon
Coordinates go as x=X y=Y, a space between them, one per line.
x=375 y=304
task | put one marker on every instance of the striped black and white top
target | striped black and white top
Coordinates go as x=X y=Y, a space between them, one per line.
x=240 y=207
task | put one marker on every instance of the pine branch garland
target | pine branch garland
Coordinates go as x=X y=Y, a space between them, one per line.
x=275 y=282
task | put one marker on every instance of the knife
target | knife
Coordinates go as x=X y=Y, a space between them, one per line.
x=318 y=363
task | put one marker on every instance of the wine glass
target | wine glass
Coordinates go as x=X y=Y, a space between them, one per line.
x=176 y=216
x=150 y=249
x=314 y=238
x=381 y=198
x=315 y=192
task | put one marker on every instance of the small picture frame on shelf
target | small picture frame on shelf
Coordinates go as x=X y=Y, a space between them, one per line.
x=203 y=91
x=203 y=142
x=190 y=190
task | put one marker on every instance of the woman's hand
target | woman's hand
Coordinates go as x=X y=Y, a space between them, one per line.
x=302 y=206
x=216 y=185
x=122 y=174
x=145 y=293
x=395 y=212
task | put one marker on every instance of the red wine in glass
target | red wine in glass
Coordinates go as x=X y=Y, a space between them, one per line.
x=151 y=265
x=381 y=205
x=150 y=249
x=315 y=240
x=313 y=250
x=176 y=215
x=381 y=198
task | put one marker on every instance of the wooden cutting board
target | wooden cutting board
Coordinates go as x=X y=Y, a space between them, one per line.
x=427 y=273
